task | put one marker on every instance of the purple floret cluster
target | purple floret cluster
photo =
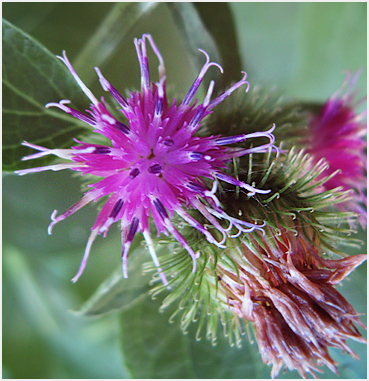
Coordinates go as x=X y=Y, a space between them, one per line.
x=155 y=165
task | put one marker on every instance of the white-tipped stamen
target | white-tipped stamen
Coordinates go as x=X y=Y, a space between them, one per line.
x=53 y=219
x=194 y=223
x=108 y=87
x=231 y=180
x=126 y=247
x=179 y=237
x=150 y=246
x=55 y=167
x=193 y=89
x=142 y=58
x=161 y=67
x=62 y=153
x=60 y=105
x=208 y=94
x=86 y=199
x=228 y=92
x=90 y=241
x=211 y=193
x=213 y=221
x=84 y=88
x=128 y=233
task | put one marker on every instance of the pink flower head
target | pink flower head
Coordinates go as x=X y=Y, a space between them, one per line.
x=155 y=164
x=337 y=135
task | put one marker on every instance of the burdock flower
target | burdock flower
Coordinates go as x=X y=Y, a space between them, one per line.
x=336 y=134
x=280 y=281
x=286 y=289
x=154 y=164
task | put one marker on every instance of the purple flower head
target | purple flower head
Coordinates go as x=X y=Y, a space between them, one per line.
x=155 y=166
x=336 y=134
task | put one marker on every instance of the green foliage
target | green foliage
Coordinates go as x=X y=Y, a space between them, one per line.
x=213 y=15
x=300 y=47
x=32 y=77
x=199 y=26
x=40 y=329
x=194 y=32
x=115 y=293
x=114 y=29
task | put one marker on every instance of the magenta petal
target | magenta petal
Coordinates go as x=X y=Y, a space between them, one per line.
x=336 y=134
x=155 y=165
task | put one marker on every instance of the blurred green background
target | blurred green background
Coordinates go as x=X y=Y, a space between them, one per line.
x=301 y=48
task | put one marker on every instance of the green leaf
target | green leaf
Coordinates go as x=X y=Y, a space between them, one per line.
x=32 y=77
x=195 y=35
x=155 y=348
x=213 y=15
x=29 y=15
x=28 y=204
x=52 y=342
x=114 y=28
x=302 y=47
x=57 y=26
x=331 y=38
x=117 y=293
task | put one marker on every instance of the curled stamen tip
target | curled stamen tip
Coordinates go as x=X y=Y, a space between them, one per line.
x=236 y=235
x=208 y=63
x=277 y=150
x=262 y=191
x=64 y=59
x=64 y=56
x=272 y=128
x=53 y=214
x=245 y=82
x=244 y=75
x=136 y=42
x=218 y=244
x=54 y=221
x=61 y=103
x=50 y=228
x=206 y=54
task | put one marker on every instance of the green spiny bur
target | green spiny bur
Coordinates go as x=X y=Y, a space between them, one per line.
x=293 y=204
x=290 y=204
